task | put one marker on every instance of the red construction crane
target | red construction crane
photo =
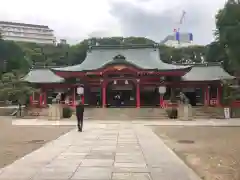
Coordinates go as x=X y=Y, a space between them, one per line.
x=181 y=21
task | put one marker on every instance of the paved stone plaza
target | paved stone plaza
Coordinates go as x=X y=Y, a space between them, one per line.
x=104 y=151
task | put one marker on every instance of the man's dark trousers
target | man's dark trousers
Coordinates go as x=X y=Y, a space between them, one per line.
x=79 y=113
x=80 y=122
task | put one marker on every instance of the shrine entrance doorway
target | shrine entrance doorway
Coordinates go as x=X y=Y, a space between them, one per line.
x=121 y=93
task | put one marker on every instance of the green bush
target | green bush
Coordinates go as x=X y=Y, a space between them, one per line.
x=172 y=113
x=67 y=112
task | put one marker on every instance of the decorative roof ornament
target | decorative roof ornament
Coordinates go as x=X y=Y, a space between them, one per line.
x=119 y=57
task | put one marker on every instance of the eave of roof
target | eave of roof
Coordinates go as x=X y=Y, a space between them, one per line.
x=207 y=73
x=42 y=76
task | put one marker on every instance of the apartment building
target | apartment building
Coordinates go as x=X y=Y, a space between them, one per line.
x=22 y=32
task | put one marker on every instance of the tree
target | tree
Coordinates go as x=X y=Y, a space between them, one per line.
x=13 y=89
x=227 y=32
x=11 y=57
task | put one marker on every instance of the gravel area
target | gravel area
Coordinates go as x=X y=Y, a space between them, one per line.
x=17 y=141
x=213 y=152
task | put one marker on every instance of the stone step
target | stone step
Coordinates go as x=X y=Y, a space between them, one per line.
x=207 y=112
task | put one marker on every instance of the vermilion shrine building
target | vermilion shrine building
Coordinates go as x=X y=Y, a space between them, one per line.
x=128 y=76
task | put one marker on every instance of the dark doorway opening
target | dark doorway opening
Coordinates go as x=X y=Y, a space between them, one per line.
x=121 y=93
x=192 y=98
x=194 y=95
x=149 y=96
x=94 y=97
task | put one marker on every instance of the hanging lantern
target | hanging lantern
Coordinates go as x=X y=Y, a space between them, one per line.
x=126 y=81
x=162 y=89
x=115 y=82
x=80 y=90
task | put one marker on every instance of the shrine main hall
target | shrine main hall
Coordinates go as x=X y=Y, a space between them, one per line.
x=128 y=76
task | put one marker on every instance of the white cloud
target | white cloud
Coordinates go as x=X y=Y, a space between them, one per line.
x=77 y=19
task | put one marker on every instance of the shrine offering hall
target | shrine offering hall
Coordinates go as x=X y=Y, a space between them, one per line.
x=128 y=76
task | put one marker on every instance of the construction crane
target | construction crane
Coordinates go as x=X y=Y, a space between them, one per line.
x=185 y=36
x=180 y=22
x=176 y=36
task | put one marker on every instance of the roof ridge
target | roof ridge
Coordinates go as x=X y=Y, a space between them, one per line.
x=24 y=24
x=201 y=64
x=128 y=46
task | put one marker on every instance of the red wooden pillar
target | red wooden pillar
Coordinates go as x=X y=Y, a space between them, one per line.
x=104 y=85
x=74 y=97
x=206 y=96
x=40 y=99
x=219 y=95
x=138 y=98
x=43 y=101
x=161 y=101
x=31 y=100
x=82 y=99
x=45 y=97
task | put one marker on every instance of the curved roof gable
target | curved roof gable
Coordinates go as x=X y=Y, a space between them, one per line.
x=142 y=57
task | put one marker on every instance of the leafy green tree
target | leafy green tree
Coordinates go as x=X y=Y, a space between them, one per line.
x=227 y=32
x=12 y=57
x=191 y=54
x=13 y=89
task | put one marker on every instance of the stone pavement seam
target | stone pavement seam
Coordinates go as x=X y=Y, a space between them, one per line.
x=142 y=152
x=114 y=159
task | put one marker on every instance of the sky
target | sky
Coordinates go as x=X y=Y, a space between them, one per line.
x=76 y=20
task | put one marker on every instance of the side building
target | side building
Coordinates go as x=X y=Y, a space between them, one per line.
x=27 y=33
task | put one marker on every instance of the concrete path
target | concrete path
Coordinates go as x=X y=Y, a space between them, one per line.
x=104 y=151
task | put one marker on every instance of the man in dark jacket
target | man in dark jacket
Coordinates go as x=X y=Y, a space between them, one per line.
x=79 y=114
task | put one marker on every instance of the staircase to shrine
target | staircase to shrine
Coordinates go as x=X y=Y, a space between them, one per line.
x=208 y=112
x=125 y=114
x=135 y=113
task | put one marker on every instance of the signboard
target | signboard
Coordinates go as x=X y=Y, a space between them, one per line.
x=188 y=89
x=120 y=88
x=227 y=113
x=80 y=90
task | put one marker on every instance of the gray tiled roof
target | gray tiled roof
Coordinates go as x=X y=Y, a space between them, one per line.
x=141 y=57
x=42 y=76
x=207 y=73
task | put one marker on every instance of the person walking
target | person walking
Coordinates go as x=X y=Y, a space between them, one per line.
x=79 y=114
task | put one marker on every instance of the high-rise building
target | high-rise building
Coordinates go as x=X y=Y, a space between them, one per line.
x=27 y=33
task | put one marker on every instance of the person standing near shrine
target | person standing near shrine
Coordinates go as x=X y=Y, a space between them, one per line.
x=79 y=114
